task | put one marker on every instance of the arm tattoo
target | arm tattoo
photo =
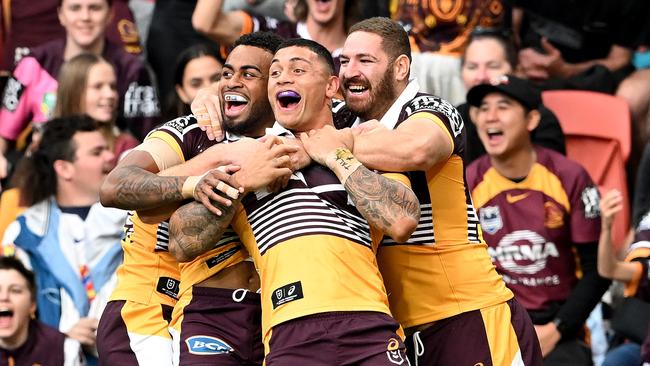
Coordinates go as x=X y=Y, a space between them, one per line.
x=194 y=229
x=382 y=201
x=138 y=189
x=344 y=158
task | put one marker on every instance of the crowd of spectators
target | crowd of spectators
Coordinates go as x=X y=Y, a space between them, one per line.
x=82 y=86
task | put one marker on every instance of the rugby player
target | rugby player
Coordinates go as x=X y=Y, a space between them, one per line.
x=323 y=300
x=442 y=278
x=135 y=325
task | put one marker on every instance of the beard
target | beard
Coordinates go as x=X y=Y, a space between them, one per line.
x=256 y=120
x=380 y=98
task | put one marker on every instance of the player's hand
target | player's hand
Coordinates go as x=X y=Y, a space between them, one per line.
x=266 y=162
x=368 y=126
x=300 y=158
x=319 y=144
x=206 y=108
x=610 y=205
x=548 y=336
x=85 y=331
x=214 y=181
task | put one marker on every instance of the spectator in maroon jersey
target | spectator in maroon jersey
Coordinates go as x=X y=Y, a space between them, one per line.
x=539 y=216
x=30 y=92
x=24 y=340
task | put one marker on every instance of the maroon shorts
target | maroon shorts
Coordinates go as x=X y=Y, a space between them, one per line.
x=129 y=331
x=340 y=338
x=222 y=327
x=465 y=339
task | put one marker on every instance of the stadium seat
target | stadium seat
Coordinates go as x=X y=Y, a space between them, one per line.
x=598 y=136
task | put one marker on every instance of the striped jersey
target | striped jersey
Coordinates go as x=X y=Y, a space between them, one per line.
x=444 y=268
x=188 y=140
x=532 y=226
x=639 y=253
x=313 y=249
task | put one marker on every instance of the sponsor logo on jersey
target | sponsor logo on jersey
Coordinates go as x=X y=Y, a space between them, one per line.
x=514 y=198
x=523 y=251
x=490 y=218
x=140 y=101
x=205 y=345
x=393 y=352
x=437 y=105
x=286 y=293
x=591 y=201
x=178 y=125
x=13 y=91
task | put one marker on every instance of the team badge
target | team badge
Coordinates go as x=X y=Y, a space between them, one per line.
x=490 y=217
x=553 y=216
x=591 y=201
x=393 y=352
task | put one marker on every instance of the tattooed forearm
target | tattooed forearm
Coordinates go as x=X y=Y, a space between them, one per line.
x=388 y=205
x=194 y=229
x=136 y=189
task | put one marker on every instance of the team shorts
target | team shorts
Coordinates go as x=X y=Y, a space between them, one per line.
x=130 y=333
x=220 y=327
x=337 y=338
x=494 y=336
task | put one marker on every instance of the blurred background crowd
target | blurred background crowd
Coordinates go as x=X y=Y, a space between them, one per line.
x=131 y=65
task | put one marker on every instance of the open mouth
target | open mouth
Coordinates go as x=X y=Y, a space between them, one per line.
x=288 y=99
x=234 y=103
x=6 y=315
x=356 y=86
x=494 y=134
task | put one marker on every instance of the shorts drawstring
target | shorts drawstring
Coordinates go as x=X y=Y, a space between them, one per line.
x=418 y=346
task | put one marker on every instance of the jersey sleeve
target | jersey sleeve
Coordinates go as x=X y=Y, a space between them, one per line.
x=585 y=209
x=183 y=135
x=442 y=113
x=28 y=96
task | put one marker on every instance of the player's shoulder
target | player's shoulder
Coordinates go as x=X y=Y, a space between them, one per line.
x=428 y=103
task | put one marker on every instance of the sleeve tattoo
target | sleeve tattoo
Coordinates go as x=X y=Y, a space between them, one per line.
x=382 y=201
x=138 y=189
x=194 y=229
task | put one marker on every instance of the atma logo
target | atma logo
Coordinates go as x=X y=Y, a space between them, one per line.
x=205 y=345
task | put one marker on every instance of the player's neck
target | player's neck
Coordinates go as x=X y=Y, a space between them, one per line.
x=68 y=195
x=331 y=35
x=516 y=165
x=72 y=49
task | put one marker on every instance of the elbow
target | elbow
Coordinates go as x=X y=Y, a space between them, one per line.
x=177 y=252
x=108 y=194
x=401 y=230
x=200 y=25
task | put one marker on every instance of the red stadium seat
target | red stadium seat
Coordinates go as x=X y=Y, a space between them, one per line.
x=598 y=136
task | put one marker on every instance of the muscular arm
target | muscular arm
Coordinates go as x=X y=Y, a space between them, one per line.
x=209 y=19
x=416 y=144
x=193 y=229
x=387 y=204
x=135 y=185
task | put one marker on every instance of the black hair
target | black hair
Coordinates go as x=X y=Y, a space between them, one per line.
x=268 y=41
x=313 y=46
x=39 y=181
x=9 y=263
x=174 y=106
x=503 y=36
